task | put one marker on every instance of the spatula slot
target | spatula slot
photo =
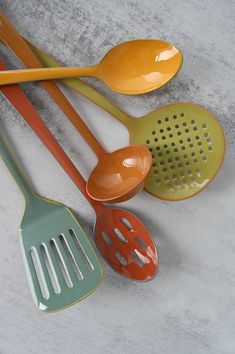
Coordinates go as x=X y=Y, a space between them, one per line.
x=106 y=238
x=81 y=251
x=121 y=259
x=126 y=223
x=61 y=263
x=136 y=257
x=140 y=242
x=50 y=269
x=39 y=273
x=119 y=235
x=70 y=256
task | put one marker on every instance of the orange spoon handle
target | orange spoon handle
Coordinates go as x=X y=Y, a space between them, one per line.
x=26 y=75
x=22 y=105
x=17 y=44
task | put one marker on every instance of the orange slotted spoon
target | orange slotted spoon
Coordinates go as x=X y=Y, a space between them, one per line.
x=120 y=236
x=118 y=175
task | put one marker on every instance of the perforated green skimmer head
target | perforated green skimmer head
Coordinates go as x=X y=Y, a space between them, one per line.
x=187 y=145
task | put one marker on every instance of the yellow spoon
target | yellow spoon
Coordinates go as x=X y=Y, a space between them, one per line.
x=132 y=67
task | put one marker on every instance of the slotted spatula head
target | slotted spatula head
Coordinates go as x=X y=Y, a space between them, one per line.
x=61 y=265
x=187 y=146
x=126 y=244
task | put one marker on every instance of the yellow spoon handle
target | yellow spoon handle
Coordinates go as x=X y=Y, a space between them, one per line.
x=25 y=75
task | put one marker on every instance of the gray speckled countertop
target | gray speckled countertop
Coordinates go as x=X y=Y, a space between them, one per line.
x=190 y=306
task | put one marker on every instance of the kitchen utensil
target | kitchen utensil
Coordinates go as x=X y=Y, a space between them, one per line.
x=118 y=175
x=120 y=236
x=186 y=141
x=131 y=67
x=60 y=263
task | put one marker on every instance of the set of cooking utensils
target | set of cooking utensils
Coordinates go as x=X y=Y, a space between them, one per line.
x=174 y=152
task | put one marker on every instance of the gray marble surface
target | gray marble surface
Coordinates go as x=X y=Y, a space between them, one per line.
x=190 y=306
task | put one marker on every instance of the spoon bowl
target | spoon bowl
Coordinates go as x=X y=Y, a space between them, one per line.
x=119 y=175
x=139 y=66
x=126 y=244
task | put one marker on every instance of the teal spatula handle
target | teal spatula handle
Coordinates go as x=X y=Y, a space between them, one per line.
x=14 y=170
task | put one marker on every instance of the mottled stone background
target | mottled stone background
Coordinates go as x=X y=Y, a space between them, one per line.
x=190 y=306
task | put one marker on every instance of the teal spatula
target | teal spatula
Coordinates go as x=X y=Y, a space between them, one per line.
x=60 y=263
